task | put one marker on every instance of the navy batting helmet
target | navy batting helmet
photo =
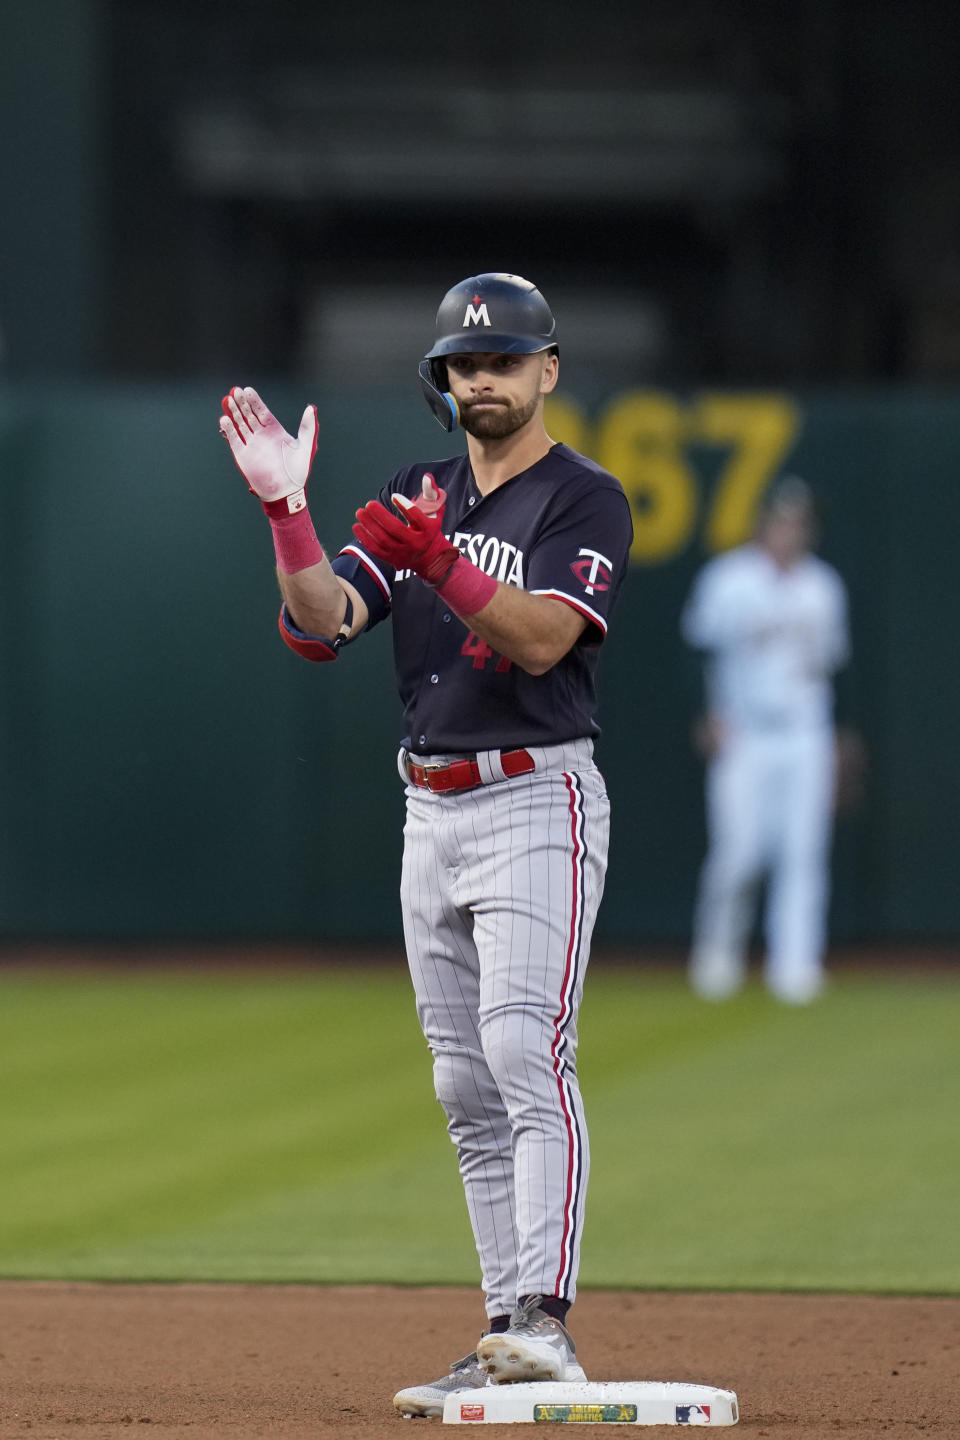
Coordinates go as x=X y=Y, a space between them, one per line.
x=485 y=314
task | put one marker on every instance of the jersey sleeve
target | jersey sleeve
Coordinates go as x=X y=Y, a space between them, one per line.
x=582 y=553
x=718 y=611
x=371 y=577
x=697 y=622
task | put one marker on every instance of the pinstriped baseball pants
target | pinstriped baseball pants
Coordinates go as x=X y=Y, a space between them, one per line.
x=500 y=891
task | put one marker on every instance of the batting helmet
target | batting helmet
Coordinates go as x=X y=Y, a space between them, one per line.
x=485 y=314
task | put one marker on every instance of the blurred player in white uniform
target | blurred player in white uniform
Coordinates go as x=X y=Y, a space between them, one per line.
x=770 y=621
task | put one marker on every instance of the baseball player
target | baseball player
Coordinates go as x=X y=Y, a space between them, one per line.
x=499 y=570
x=770 y=620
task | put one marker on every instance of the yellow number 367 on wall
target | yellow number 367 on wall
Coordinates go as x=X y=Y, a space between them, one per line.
x=652 y=442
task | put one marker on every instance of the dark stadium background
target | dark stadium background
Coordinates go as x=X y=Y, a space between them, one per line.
x=717 y=199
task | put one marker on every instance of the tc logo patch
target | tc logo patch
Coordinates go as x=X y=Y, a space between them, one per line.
x=593 y=570
x=693 y=1414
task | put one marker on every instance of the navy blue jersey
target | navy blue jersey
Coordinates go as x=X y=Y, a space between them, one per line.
x=562 y=529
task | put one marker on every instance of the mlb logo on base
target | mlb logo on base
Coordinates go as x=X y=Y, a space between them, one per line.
x=693 y=1414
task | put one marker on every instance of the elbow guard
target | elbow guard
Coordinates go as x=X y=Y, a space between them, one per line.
x=315 y=647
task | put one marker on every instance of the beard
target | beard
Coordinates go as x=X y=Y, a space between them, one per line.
x=496 y=424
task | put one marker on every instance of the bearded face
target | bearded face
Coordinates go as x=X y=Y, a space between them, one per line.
x=497 y=417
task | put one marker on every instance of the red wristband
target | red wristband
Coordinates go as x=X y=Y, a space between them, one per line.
x=466 y=589
x=294 y=538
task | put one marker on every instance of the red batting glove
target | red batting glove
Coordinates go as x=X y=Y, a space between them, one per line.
x=418 y=545
x=273 y=463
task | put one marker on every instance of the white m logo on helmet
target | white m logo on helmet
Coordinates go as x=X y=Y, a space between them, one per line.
x=476 y=315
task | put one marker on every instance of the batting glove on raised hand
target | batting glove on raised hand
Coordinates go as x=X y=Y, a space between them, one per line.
x=274 y=464
x=415 y=543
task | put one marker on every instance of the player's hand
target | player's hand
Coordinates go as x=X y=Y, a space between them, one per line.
x=273 y=463
x=708 y=736
x=432 y=499
x=415 y=543
x=851 y=764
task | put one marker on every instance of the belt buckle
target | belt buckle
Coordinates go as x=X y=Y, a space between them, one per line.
x=432 y=767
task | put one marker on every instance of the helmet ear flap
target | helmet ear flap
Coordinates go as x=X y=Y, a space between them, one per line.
x=433 y=379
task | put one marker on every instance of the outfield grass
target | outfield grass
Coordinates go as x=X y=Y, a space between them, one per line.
x=281 y=1126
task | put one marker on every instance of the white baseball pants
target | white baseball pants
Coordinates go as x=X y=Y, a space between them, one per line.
x=769 y=812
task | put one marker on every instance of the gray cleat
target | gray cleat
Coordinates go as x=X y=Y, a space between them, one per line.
x=427 y=1400
x=536 y=1347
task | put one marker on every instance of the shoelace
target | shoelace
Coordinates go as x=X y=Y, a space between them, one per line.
x=521 y=1319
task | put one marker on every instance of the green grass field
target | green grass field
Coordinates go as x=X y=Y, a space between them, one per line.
x=281 y=1126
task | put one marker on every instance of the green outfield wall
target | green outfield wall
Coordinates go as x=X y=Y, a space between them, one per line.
x=169 y=769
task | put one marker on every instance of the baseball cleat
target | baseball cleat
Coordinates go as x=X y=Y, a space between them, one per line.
x=801 y=988
x=535 y=1347
x=715 y=975
x=426 y=1401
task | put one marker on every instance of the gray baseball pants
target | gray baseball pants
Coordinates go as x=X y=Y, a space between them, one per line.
x=500 y=891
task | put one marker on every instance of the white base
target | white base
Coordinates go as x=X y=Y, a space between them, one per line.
x=609 y=1402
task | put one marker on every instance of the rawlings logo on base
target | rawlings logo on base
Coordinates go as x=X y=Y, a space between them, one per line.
x=471 y=1412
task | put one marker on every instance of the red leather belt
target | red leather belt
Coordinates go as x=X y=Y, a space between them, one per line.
x=444 y=777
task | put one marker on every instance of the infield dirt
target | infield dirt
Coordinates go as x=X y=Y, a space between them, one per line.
x=233 y=1362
